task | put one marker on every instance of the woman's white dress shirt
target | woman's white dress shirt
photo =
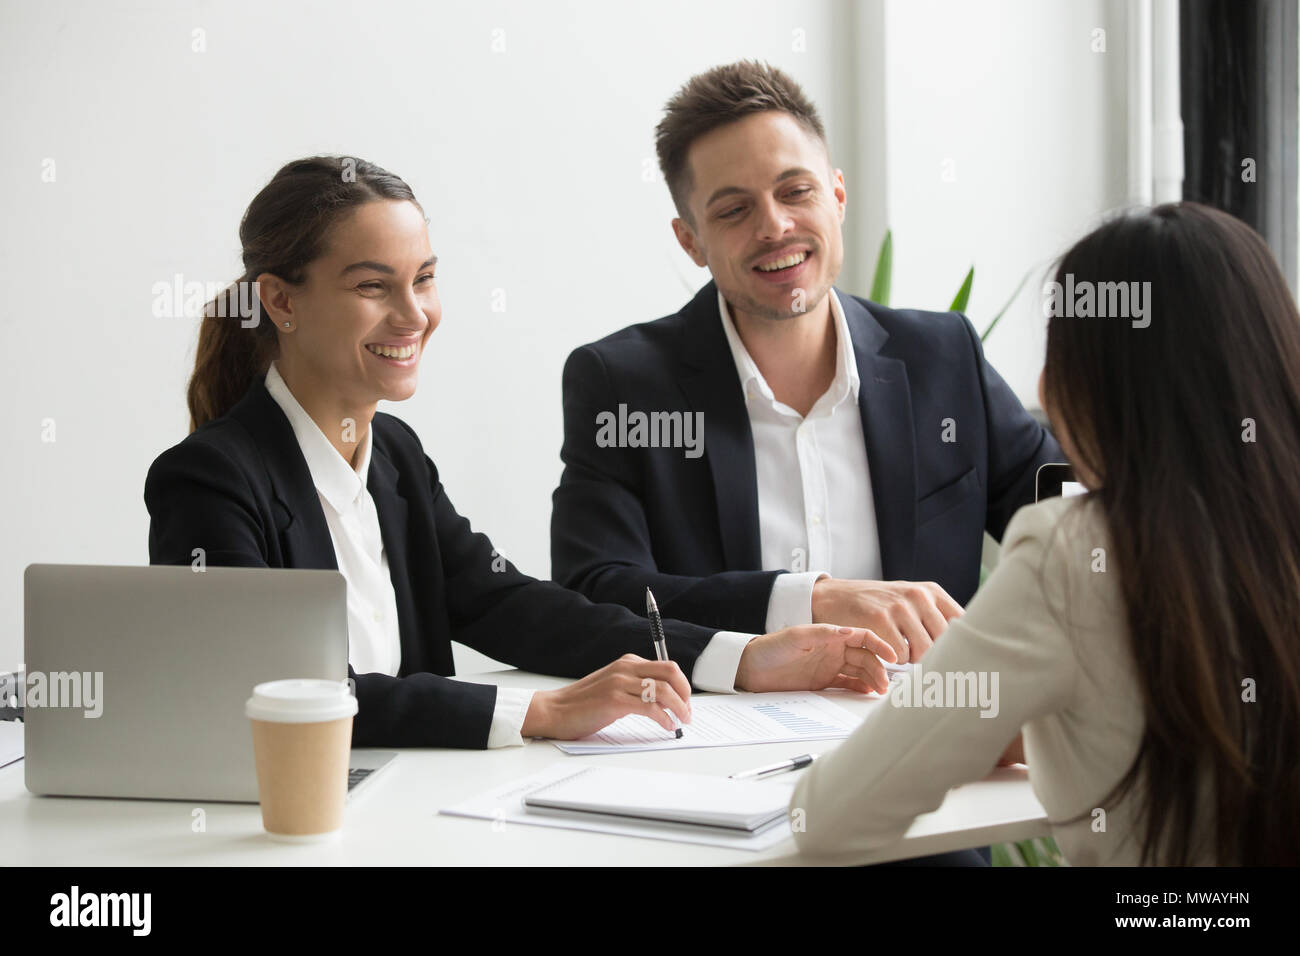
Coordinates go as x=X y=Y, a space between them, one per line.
x=374 y=640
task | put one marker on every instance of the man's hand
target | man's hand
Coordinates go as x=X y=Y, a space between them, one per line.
x=908 y=615
x=813 y=657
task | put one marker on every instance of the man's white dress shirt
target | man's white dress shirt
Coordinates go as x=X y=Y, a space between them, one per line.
x=816 y=516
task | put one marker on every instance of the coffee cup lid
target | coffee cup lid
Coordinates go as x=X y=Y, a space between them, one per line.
x=300 y=701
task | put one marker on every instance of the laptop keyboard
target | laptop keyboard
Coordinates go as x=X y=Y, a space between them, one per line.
x=357 y=774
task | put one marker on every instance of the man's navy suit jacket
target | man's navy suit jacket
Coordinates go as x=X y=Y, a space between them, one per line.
x=624 y=518
x=239 y=487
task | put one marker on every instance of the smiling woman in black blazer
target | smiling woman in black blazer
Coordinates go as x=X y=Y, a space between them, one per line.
x=290 y=465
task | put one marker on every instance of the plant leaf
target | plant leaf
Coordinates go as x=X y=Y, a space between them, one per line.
x=1002 y=311
x=884 y=270
x=963 y=294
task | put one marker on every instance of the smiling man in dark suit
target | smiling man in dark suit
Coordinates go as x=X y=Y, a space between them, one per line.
x=853 y=455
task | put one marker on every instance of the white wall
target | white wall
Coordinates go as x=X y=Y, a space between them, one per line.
x=1033 y=123
x=530 y=165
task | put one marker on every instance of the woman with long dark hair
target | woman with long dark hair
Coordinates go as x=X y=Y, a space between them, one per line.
x=290 y=465
x=1145 y=635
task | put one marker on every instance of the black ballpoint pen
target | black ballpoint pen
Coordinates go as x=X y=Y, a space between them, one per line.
x=661 y=645
x=794 y=763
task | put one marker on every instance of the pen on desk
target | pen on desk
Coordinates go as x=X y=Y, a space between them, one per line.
x=794 y=763
x=661 y=644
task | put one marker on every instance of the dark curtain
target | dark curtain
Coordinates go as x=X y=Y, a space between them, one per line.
x=1238 y=78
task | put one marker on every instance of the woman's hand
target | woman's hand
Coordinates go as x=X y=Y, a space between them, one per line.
x=816 y=656
x=1015 y=752
x=630 y=685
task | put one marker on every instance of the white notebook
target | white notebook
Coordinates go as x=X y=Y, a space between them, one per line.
x=660 y=796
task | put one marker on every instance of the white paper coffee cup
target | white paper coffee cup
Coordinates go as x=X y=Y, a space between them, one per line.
x=302 y=739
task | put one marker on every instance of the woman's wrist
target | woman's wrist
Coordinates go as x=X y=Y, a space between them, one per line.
x=538 y=718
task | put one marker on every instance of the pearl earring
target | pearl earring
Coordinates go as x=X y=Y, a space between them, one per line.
x=287 y=324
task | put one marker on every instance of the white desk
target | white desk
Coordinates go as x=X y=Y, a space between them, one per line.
x=394 y=821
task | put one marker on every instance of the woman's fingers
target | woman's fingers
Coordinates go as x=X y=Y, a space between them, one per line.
x=668 y=673
x=890 y=636
x=864 y=663
x=657 y=699
x=867 y=640
x=852 y=683
x=658 y=683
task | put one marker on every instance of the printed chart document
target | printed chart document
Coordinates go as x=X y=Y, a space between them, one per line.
x=662 y=794
x=726 y=720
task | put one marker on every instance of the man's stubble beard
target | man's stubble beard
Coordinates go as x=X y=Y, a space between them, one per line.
x=759 y=310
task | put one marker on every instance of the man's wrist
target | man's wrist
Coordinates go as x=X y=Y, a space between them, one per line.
x=821 y=595
x=718 y=665
x=790 y=603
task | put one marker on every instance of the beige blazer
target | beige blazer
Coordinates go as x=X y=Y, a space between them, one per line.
x=1047 y=635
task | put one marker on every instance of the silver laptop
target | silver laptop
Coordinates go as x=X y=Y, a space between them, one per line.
x=137 y=676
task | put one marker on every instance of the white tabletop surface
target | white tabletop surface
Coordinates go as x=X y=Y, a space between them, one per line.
x=395 y=819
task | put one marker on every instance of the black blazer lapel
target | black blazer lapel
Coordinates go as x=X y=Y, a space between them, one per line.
x=712 y=386
x=392 y=509
x=304 y=533
x=884 y=399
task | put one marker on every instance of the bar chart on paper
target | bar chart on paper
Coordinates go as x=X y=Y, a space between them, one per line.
x=727 y=721
x=801 y=725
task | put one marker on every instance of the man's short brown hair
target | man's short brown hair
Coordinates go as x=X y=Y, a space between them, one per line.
x=720 y=96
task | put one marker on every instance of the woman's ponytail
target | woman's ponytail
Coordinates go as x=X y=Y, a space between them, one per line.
x=233 y=351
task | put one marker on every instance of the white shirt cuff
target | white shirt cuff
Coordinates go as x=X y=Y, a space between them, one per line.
x=791 y=600
x=508 y=717
x=715 y=668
